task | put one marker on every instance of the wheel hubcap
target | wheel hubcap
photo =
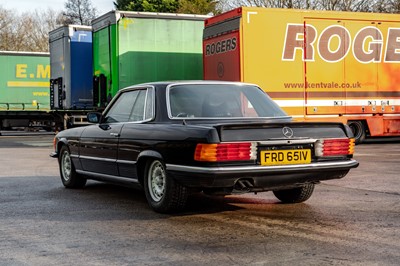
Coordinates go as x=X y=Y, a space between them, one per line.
x=156 y=181
x=66 y=166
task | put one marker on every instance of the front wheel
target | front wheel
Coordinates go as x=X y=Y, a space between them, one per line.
x=295 y=195
x=69 y=177
x=163 y=193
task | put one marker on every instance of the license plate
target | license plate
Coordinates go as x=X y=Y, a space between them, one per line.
x=281 y=157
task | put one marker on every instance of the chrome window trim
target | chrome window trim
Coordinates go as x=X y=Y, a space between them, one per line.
x=168 y=104
x=134 y=88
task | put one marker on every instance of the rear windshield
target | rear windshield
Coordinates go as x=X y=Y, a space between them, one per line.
x=220 y=101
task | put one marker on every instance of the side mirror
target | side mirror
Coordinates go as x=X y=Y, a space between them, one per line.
x=93 y=117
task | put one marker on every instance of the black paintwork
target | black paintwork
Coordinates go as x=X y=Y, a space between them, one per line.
x=108 y=151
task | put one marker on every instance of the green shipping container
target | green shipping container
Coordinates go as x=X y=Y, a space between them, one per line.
x=24 y=81
x=134 y=47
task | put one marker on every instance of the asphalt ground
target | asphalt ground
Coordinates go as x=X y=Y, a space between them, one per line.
x=351 y=221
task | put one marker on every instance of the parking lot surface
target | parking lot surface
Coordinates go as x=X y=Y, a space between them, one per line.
x=351 y=221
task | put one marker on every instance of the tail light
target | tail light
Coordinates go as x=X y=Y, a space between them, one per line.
x=235 y=151
x=334 y=147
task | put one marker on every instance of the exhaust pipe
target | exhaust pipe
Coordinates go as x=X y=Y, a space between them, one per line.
x=243 y=186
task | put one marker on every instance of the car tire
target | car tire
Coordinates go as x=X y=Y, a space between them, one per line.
x=163 y=193
x=358 y=130
x=69 y=177
x=295 y=195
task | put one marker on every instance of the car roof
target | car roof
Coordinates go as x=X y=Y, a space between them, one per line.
x=179 y=82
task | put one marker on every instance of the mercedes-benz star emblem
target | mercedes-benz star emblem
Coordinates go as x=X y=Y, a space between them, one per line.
x=287 y=132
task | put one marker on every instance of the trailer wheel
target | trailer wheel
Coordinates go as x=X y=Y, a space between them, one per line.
x=163 y=193
x=358 y=130
x=295 y=195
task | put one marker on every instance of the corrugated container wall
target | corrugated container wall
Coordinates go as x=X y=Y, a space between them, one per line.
x=131 y=48
x=71 y=62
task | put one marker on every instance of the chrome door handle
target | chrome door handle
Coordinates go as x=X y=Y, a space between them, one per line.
x=114 y=134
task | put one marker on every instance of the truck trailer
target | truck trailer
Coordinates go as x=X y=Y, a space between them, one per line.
x=71 y=63
x=71 y=79
x=135 y=47
x=24 y=90
x=317 y=65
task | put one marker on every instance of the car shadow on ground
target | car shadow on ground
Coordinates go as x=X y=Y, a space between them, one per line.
x=133 y=200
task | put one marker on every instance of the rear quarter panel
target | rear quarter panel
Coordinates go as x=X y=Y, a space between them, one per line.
x=176 y=143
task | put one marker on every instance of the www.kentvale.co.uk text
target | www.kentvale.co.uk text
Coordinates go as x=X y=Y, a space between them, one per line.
x=323 y=85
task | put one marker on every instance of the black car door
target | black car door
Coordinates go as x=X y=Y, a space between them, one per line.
x=135 y=132
x=98 y=148
x=99 y=143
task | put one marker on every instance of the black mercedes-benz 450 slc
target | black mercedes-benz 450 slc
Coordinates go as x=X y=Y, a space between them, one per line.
x=174 y=138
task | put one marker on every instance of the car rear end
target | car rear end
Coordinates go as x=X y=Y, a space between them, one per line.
x=251 y=142
x=259 y=157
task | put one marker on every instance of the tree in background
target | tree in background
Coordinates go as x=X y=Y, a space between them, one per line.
x=6 y=20
x=165 y=6
x=379 y=6
x=29 y=31
x=121 y=4
x=79 y=12
x=199 y=7
x=169 y=6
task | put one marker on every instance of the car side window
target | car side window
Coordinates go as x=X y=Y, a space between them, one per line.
x=131 y=106
x=137 y=113
x=149 y=105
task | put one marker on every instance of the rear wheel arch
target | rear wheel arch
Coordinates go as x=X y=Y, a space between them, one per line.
x=143 y=158
x=163 y=193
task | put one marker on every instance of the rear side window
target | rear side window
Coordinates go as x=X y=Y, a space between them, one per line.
x=132 y=106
